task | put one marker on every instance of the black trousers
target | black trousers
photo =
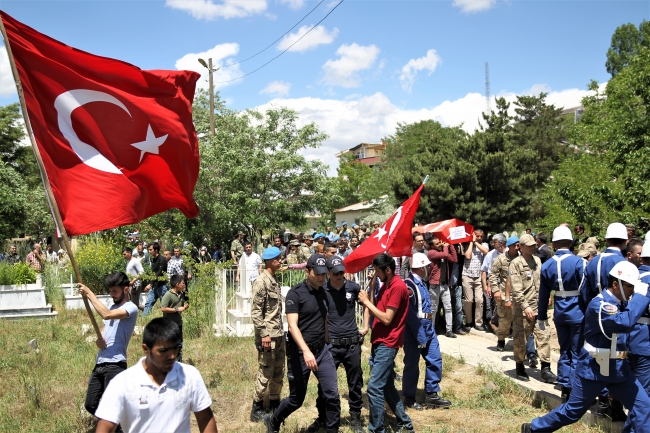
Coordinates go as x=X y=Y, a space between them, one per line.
x=350 y=358
x=100 y=377
x=298 y=375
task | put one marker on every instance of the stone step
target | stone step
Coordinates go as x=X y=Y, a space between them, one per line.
x=46 y=315
x=25 y=311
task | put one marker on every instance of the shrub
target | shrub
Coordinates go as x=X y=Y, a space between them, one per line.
x=96 y=258
x=200 y=316
x=18 y=274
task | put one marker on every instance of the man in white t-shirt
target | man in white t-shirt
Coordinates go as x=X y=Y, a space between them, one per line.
x=157 y=394
x=119 y=322
x=253 y=263
x=133 y=270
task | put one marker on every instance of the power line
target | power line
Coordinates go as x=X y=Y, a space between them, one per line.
x=275 y=41
x=287 y=49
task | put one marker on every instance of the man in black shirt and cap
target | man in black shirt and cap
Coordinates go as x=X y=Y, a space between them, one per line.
x=346 y=340
x=308 y=348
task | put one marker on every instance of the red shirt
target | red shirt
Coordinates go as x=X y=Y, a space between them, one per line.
x=395 y=295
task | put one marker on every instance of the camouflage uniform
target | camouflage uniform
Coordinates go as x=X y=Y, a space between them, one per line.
x=524 y=290
x=498 y=276
x=266 y=313
x=293 y=258
x=304 y=252
x=238 y=248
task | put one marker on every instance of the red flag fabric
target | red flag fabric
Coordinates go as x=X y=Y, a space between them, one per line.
x=117 y=142
x=393 y=237
x=453 y=231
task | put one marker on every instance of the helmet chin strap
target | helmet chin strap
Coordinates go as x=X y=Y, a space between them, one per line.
x=620 y=288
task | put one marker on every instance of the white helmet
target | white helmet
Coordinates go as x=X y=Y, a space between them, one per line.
x=625 y=271
x=616 y=231
x=562 y=233
x=419 y=260
x=645 y=251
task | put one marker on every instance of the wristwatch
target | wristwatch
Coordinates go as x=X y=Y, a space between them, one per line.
x=176 y=309
x=506 y=300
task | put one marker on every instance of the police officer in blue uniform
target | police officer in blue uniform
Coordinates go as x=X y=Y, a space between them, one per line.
x=596 y=276
x=563 y=274
x=346 y=340
x=603 y=362
x=420 y=340
x=639 y=353
x=308 y=349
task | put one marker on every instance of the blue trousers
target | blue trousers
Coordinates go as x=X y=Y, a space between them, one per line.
x=641 y=367
x=433 y=362
x=298 y=375
x=456 y=293
x=350 y=358
x=569 y=335
x=154 y=294
x=584 y=391
x=530 y=345
x=381 y=386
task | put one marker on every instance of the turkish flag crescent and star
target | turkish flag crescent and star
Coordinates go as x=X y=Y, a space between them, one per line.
x=393 y=237
x=118 y=142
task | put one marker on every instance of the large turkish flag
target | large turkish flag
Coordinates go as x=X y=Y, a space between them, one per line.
x=117 y=142
x=393 y=237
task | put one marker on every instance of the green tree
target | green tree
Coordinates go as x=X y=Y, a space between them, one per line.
x=12 y=151
x=14 y=197
x=253 y=174
x=626 y=41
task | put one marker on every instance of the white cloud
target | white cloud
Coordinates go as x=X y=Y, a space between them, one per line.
x=294 y=4
x=409 y=71
x=221 y=56
x=277 y=88
x=471 y=6
x=316 y=37
x=352 y=59
x=7 y=85
x=208 y=10
x=369 y=118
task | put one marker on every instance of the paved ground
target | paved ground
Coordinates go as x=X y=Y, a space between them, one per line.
x=479 y=348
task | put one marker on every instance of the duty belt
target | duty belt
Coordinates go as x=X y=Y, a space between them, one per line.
x=346 y=341
x=644 y=320
x=316 y=346
x=425 y=316
x=604 y=355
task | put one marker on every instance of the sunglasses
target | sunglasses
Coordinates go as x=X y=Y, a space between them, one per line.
x=338 y=274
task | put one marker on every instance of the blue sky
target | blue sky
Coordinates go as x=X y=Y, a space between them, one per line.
x=370 y=65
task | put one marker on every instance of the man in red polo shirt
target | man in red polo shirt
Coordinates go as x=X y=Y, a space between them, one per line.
x=387 y=337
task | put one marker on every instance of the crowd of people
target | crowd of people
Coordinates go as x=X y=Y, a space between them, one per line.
x=35 y=256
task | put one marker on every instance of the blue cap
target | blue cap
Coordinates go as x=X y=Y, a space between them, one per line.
x=512 y=240
x=344 y=223
x=318 y=236
x=271 y=253
x=336 y=238
x=338 y=225
x=353 y=225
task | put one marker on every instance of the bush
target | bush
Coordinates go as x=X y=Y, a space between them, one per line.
x=53 y=279
x=96 y=258
x=200 y=316
x=18 y=274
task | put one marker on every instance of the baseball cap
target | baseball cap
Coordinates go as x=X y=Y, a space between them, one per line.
x=625 y=271
x=271 y=253
x=317 y=263
x=419 y=260
x=512 y=240
x=335 y=264
x=630 y=226
x=645 y=251
x=616 y=231
x=562 y=233
x=527 y=240
x=294 y=242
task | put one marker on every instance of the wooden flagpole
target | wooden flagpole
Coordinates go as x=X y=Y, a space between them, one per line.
x=46 y=182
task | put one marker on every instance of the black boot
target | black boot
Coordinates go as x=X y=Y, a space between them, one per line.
x=526 y=428
x=271 y=423
x=603 y=406
x=547 y=375
x=410 y=403
x=355 y=422
x=316 y=425
x=532 y=360
x=273 y=405
x=435 y=401
x=521 y=372
x=616 y=412
x=501 y=345
x=257 y=411
x=566 y=393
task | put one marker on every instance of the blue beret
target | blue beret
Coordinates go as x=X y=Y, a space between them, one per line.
x=336 y=238
x=318 y=236
x=271 y=253
x=512 y=240
x=353 y=225
x=338 y=225
x=344 y=223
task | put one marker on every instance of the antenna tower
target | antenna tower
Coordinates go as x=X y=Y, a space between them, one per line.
x=487 y=88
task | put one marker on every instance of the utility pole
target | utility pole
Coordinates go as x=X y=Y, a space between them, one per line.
x=210 y=71
x=487 y=88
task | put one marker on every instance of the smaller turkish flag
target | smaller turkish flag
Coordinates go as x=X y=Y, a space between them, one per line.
x=393 y=237
x=453 y=231
x=118 y=143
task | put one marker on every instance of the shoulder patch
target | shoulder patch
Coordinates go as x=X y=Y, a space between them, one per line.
x=610 y=308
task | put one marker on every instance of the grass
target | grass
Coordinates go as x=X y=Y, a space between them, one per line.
x=44 y=391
